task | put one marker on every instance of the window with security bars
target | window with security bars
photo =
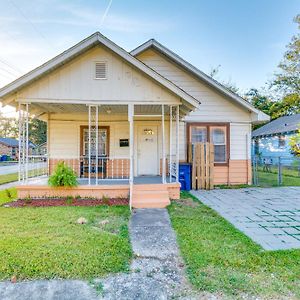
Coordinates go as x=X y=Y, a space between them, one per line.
x=100 y=70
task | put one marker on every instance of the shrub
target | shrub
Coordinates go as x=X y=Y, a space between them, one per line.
x=63 y=176
x=8 y=194
x=69 y=200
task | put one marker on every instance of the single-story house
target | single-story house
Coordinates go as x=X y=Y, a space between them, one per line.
x=10 y=147
x=272 y=140
x=123 y=120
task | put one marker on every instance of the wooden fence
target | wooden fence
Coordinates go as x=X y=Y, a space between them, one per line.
x=201 y=155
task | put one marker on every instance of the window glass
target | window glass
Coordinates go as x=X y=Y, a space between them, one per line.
x=198 y=134
x=102 y=141
x=218 y=138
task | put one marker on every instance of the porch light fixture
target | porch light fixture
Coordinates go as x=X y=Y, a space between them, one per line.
x=148 y=131
x=108 y=110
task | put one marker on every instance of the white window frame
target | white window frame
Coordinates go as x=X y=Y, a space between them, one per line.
x=224 y=129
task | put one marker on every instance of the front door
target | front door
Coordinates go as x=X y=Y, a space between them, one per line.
x=147 y=156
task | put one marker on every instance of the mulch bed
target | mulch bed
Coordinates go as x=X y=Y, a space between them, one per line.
x=66 y=202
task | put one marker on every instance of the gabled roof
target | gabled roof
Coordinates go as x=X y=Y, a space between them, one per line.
x=152 y=43
x=84 y=45
x=279 y=126
x=11 y=142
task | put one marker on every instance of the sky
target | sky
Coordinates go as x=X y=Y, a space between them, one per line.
x=246 y=39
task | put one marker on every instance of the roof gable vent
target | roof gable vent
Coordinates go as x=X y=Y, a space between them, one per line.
x=100 y=70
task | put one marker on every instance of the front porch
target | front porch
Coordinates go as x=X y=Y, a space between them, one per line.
x=116 y=151
x=142 y=188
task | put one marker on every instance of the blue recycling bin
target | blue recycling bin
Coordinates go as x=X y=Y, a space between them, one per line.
x=4 y=157
x=185 y=174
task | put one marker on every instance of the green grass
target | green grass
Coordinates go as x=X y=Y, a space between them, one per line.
x=6 y=178
x=220 y=259
x=266 y=179
x=48 y=243
x=288 y=171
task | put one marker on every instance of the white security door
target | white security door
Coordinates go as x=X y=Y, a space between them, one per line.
x=147 y=156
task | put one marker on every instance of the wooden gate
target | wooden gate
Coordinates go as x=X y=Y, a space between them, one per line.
x=201 y=155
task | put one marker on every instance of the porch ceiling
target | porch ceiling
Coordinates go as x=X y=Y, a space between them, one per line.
x=149 y=109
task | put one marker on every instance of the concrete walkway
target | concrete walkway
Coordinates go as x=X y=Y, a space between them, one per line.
x=156 y=271
x=269 y=216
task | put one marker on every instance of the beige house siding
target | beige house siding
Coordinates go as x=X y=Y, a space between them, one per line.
x=64 y=136
x=76 y=81
x=214 y=108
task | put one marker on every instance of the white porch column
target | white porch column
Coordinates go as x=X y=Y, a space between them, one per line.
x=27 y=138
x=97 y=141
x=48 y=143
x=131 y=149
x=89 y=144
x=93 y=141
x=163 y=144
x=20 y=154
x=171 y=144
x=177 y=143
x=23 y=142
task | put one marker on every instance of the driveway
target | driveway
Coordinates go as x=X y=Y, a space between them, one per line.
x=269 y=216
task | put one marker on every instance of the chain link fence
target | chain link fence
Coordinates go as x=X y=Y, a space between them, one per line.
x=275 y=171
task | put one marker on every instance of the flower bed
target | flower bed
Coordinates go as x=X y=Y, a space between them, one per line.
x=47 y=202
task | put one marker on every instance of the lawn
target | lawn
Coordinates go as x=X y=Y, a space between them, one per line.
x=48 y=243
x=220 y=259
x=266 y=179
x=6 y=178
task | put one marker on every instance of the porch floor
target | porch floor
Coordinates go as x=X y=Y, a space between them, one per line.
x=43 y=180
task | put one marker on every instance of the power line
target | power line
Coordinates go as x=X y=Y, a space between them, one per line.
x=10 y=65
x=29 y=21
x=8 y=73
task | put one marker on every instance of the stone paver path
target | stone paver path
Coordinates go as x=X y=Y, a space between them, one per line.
x=269 y=216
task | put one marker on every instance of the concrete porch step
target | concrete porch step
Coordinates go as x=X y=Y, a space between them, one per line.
x=150 y=197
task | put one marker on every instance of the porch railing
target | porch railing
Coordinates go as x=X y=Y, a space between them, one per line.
x=171 y=168
x=34 y=166
x=106 y=168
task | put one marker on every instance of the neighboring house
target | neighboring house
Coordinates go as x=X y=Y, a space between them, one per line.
x=41 y=149
x=145 y=105
x=272 y=139
x=10 y=147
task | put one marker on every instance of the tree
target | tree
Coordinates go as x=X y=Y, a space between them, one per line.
x=8 y=127
x=295 y=144
x=287 y=80
x=37 y=131
x=259 y=101
x=231 y=86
